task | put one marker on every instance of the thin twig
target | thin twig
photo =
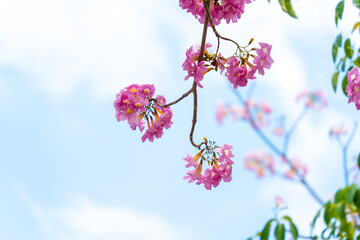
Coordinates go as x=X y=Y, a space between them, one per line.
x=176 y=101
x=292 y=129
x=344 y=153
x=277 y=151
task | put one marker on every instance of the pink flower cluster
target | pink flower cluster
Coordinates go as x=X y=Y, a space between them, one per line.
x=238 y=70
x=259 y=162
x=338 y=131
x=315 y=100
x=194 y=68
x=135 y=102
x=230 y=10
x=353 y=88
x=239 y=74
x=213 y=175
x=260 y=112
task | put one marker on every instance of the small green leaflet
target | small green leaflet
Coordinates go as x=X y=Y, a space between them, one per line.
x=334 y=52
x=335 y=80
x=339 y=10
x=347 y=48
x=287 y=7
x=357 y=62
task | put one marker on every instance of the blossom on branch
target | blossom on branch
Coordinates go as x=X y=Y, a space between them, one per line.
x=194 y=68
x=136 y=103
x=353 y=88
x=230 y=10
x=297 y=168
x=220 y=166
x=259 y=162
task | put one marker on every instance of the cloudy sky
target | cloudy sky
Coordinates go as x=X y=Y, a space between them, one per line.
x=68 y=170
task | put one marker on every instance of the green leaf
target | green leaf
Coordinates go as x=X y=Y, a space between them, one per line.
x=356 y=3
x=350 y=193
x=358 y=161
x=338 y=40
x=265 y=232
x=347 y=48
x=334 y=52
x=287 y=7
x=339 y=9
x=294 y=231
x=357 y=62
x=315 y=218
x=338 y=196
x=335 y=80
x=357 y=198
x=356 y=25
x=340 y=209
x=344 y=85
x=343 y=60
x=287 y=218
x=280 y=231
x=327 y=214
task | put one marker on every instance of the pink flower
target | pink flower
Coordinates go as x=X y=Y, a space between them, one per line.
x=225 y=153
x=315 y=100
x=130 y=102
x=236 y=74
x=221 y=112
x=353 y=87
x=263 y=58
x=194 y=68
x=259 y=162
x=260 y=113
x=279 y=202
x=211 y=177
x=279 y=131
x=338 y=131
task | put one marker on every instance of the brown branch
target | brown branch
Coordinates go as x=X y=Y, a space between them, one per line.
x=194 y=88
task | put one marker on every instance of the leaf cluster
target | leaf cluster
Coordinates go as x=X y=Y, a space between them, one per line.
x=341 y=214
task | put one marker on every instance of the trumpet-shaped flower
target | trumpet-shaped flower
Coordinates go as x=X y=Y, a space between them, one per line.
x=263 y=58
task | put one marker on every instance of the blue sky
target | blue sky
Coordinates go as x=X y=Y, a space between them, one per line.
x=68 y=170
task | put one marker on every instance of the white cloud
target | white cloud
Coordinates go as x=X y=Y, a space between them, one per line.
x=60 y=44
x=83 y=219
